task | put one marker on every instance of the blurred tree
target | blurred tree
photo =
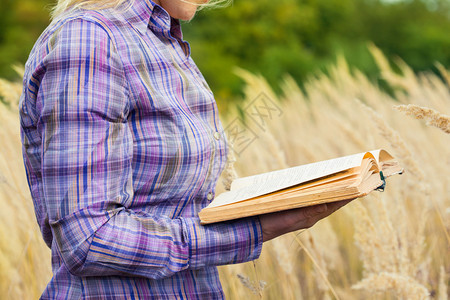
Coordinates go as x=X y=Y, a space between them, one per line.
x=300 y=36
x=21 y=23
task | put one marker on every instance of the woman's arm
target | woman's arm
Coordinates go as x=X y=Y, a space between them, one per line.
x=78 y=151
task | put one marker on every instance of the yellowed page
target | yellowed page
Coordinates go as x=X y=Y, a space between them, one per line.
x=387 y=164
x=262 y=206
x=257 y=185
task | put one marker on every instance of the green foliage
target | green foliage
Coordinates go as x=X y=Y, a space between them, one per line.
x=21 y=23
x=295 y=37
x=301 y=36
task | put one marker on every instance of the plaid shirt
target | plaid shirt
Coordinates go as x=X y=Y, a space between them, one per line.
x=123 y=146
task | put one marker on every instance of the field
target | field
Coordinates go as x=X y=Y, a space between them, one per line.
x=391 y=245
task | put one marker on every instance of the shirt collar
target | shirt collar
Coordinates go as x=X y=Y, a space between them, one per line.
x=145 y=13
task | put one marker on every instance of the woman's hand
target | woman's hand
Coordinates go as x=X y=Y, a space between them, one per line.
x=279 y=223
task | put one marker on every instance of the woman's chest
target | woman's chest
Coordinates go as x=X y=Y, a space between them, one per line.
x=178 y=143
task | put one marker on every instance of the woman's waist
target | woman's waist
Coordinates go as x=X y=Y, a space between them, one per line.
x=188 y=284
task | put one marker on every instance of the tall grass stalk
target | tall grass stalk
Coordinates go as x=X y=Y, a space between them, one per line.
x=316 y=264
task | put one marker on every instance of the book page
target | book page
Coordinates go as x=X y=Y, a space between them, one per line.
x=376 y=154
x=386 y=163
x=261 y=184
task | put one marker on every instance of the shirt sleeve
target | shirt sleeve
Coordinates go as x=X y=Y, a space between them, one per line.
x=86 y=169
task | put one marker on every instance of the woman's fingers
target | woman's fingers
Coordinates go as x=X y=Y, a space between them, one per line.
x=276 y=224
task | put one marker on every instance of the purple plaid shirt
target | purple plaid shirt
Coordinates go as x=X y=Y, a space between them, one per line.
x=123 y=146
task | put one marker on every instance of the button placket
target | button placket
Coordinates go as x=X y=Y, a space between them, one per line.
x=210 y=196
x=217 y=135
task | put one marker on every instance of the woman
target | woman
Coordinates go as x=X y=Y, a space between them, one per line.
x=123 y=146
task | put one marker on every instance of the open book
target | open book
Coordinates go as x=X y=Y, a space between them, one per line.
x=337 y=179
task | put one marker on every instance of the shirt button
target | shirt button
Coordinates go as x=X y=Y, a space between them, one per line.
x=216 y=135
x=210 y=196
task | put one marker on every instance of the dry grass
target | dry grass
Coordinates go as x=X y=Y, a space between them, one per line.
x=434 y=118
x=24 y=258
x=390 y=245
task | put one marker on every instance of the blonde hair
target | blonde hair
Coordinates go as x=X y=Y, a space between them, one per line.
x=65 y=5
